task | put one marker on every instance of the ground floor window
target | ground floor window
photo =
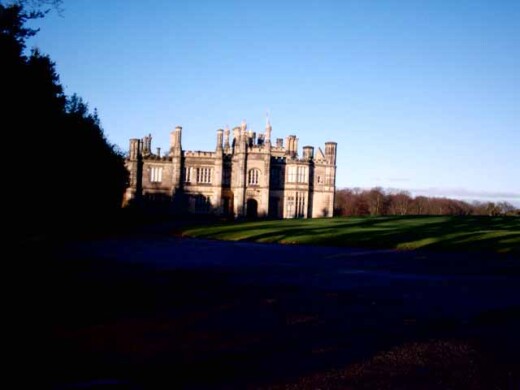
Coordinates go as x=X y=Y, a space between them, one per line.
x=295 y=205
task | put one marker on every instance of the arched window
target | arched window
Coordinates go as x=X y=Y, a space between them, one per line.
x=253 y=178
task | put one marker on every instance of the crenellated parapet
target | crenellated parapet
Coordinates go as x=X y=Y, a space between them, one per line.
x=199 y=153
x=155 y=157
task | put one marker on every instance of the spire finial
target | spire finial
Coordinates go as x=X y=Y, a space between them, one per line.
x=267 y=121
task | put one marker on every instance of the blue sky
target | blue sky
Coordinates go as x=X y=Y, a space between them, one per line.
x=419 y=95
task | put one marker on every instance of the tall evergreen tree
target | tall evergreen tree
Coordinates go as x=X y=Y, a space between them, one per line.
x=61 y=167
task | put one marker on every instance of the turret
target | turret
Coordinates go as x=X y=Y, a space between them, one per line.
x=268 y=129
x=330 y=152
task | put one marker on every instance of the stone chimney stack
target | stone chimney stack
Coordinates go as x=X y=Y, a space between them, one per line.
x=243 y=128
x=292 y=145
x=226 y=137
x=134 y=151
x=147 y=144
x=220 y=139
x=308 y=152
x=175 y=139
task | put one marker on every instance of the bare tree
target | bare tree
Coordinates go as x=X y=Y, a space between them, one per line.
x=377 y=201
x=506 y=208
x=400 y=203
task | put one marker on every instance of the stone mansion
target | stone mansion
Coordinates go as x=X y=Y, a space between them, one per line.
x=246 y=176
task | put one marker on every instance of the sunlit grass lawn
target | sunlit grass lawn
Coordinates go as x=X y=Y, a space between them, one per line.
x=495 y=234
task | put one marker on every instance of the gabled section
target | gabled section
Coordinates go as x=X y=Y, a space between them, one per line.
x=319 y=155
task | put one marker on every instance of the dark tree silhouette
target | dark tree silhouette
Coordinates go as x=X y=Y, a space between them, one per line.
x=62 y=169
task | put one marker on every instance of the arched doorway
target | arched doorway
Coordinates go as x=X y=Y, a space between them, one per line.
x=252 y=208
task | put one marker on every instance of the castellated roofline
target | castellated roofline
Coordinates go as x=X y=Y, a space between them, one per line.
x=245 y=176
x=199 y=153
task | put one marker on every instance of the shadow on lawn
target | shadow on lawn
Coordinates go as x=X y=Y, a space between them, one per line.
x=492 y=234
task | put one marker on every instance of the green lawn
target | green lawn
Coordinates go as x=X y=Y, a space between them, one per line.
x=491 y=234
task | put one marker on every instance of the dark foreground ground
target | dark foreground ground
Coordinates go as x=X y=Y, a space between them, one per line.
x=154 y=311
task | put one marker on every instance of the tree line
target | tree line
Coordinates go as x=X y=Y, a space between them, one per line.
x=58 y=166
x=377 y=201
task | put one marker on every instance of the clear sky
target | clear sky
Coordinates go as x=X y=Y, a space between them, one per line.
x=419 y=95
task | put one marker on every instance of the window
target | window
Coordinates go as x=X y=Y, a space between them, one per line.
x=300 y=205
x=187 y=174
x=292 y=172
x=204 y=175
x=302 y=174
x=296 y=205
x=319 y=179
x=297 y=174
x=290 y=206
x=253 y=177
x=156 y=174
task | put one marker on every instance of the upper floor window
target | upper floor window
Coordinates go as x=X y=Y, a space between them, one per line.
x=204 y=175
x=291 y=174
x=297 y=174
x=156 y=174
x=302 y=174
x=253 y=178
x=187 y=173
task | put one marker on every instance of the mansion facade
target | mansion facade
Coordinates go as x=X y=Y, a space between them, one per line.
x=246 y=176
